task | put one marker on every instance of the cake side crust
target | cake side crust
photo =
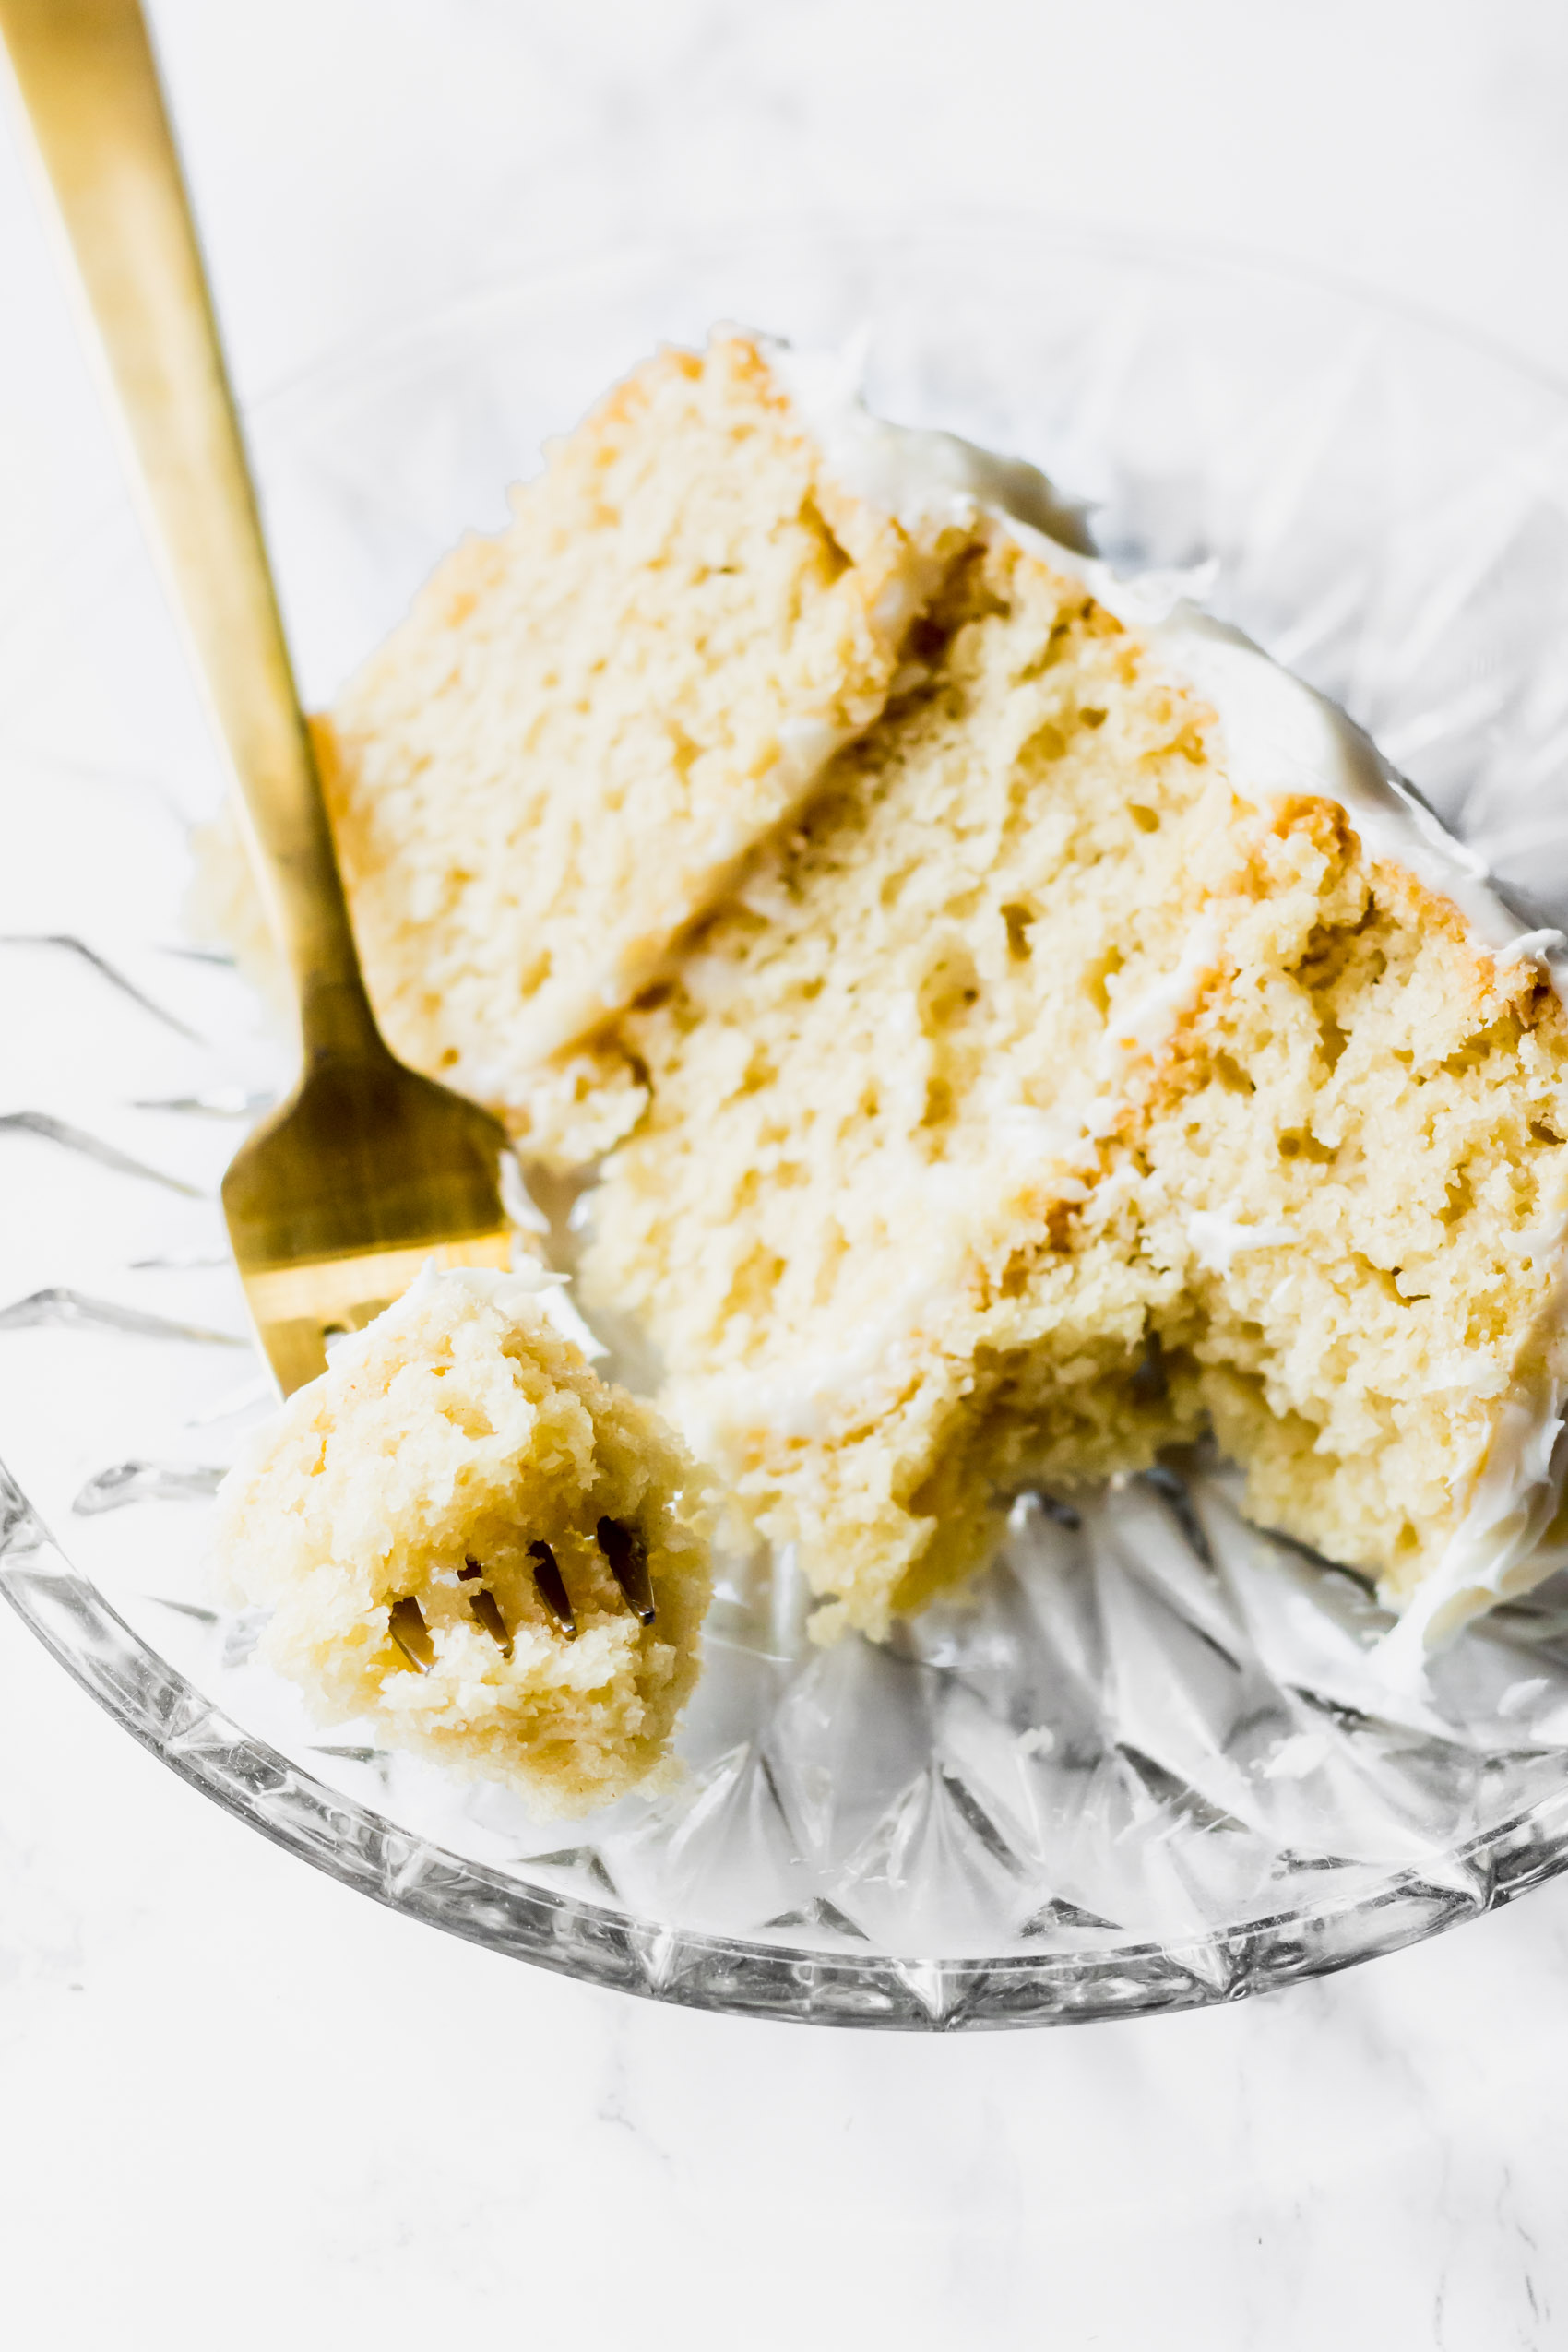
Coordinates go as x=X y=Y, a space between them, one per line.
x=585 y=725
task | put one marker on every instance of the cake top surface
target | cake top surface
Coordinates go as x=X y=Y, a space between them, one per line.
x=1281 y=735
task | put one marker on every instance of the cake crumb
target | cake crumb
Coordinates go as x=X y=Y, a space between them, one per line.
x=460 y=1530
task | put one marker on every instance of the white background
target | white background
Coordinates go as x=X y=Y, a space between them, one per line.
x=240 y=2105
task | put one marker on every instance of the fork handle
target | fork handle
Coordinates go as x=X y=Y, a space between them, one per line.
x=90 y=89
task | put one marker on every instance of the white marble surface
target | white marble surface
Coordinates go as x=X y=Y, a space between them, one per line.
x=241 y=2105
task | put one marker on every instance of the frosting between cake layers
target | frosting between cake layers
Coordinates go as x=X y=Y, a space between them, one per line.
x=1281 y=737
x=1280 y=734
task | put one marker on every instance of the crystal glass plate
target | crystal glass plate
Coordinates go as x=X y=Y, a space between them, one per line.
x=1146 y=1763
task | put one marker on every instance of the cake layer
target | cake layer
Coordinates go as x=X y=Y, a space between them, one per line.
x=1047 y=1098
x=587 y=724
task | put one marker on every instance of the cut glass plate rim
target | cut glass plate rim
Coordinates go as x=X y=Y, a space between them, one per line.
x=601 y=1942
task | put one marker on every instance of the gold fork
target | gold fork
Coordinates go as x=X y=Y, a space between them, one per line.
x=367 y=1170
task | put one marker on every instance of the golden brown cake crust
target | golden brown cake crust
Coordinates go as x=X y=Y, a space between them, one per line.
x=587 y=724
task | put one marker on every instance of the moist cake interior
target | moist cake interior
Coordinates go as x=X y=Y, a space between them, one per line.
x=1039 y=1102
x=436 y=1526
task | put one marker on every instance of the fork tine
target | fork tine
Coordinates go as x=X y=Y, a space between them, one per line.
x=487 y=1610
x=622 y=1547
x=551 y=1586
x=405 y=1623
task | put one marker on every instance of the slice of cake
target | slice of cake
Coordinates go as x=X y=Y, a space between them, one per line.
x=1112 y=1051
x=585 y=725
x=465 y=1536
x=1029 y=1028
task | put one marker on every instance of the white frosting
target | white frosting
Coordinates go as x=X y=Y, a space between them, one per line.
x=503 y=1287
x=517 y=1201
x=506 y=1288
x=801 y=1399
x=1535 y=946
x=1148 y=1022
x=912 y=474
x=1517 y=1487
x=1217 y=1239
x=716 y=1413
x=1138 y=1028
x=1280 y=737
